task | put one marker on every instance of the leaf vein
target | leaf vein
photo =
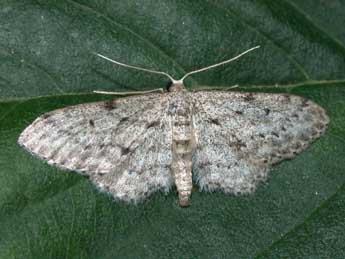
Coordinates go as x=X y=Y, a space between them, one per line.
x=297 y=226
x=265 y=36
x=136 y=34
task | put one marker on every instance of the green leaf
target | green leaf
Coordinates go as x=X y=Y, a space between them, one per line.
x=47 y=62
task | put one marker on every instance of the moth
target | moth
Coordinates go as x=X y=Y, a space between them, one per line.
x=134 y=146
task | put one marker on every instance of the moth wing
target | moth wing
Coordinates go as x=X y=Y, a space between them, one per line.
x=240 y=135
x=121 y=144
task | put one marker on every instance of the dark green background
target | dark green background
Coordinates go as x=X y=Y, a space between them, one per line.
x=46 y=62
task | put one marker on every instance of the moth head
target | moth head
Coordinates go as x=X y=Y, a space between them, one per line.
x=176 y=86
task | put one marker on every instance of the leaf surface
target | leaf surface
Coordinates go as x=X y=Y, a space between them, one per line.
x=47 y=62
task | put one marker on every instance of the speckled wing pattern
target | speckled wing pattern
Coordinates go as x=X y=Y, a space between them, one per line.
x=134 y=146
x=240 y=135
x=122 y=145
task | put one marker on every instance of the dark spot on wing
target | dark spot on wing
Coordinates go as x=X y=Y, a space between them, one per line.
x=297 y=146
x=284 y=151
x=305 y=103
x=276 y=155
x=239 y=112
x=63 y=161
x=181 y=123
x=240 y=144
x=172 y=108
x=110 y=105
x=267 y=111
x=101 y=173
x=275 y=134
x=261 y=135
x=124 y=119
x=287 y=97
x=249 y=97
x=204 y=164
x=46 y=115
x=215 y=121
x=43 y=136
x=124 y=151
x=91 y=123
x=305 y=137
x=320 y=125
x=152 y=124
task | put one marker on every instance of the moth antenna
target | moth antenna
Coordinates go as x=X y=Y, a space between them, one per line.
x=137 y=68
x=180 y=81
x=218 y=64
x=160 y=90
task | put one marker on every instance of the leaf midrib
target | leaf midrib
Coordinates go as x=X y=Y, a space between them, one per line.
x=247 y=87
